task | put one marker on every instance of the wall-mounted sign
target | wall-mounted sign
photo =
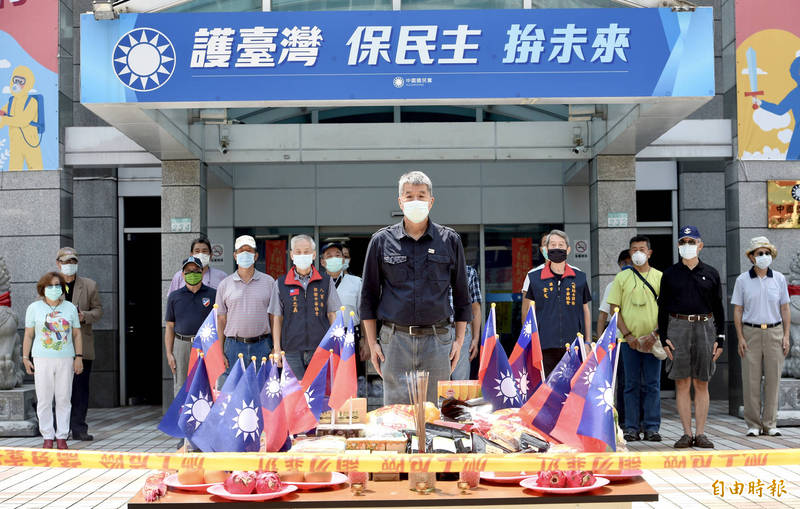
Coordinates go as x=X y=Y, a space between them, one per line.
x=217 y=253
x=783 y=203
x=336 y=57
x=617 y=219
x=768 y=79
x=29 y=86
x=180 y=224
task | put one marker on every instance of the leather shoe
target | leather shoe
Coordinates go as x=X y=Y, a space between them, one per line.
x=683 y=442
x=84 y=437
x=61 y=443
x=48 y=443
x=631 y=435
x=652 y=436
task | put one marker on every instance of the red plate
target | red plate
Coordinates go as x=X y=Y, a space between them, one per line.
x=219 y=490
x=530 y=483
x=491 y=477
x=337 y=478
x=173 y=482
x=623 y=476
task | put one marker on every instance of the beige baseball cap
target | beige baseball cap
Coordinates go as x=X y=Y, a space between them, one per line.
x=66 y=253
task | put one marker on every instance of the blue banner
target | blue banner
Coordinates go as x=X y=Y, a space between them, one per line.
x=357 y=57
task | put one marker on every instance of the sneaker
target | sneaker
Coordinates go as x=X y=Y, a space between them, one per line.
x=703 y=441
x=683 y=442
x=48 y=443
x=753 y=432
x=631 y=435
x=61 y=443
x=652 y=436
x=773 y=432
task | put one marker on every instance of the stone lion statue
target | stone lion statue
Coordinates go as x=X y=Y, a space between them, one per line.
x=791 y=367
x=10 y=347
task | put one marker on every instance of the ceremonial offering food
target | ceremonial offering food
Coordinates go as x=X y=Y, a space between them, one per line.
x=268 y=482
x=577 y=479
x=551 y=479
x=190 y=476
x=154 y=487
x=240 y=482
x=214 y=476
x=471 y=477
x=291 y=476
x=318 y=477
x=357 y=477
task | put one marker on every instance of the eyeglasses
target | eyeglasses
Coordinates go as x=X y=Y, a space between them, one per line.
x=691 y=242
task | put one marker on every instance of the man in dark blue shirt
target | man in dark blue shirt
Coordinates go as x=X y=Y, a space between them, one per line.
x=408 y=271
x=187 y=308
x=561 y=296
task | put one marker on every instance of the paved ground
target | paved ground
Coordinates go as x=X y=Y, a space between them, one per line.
x=134 y=429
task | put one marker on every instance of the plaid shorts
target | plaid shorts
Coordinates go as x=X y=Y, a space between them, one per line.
x=693 y=356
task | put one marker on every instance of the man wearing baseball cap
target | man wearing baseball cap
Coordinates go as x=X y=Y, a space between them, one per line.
x=82 y=292
x=691 y=327
x=243 y=306
x=761 y=316
x=187 y=308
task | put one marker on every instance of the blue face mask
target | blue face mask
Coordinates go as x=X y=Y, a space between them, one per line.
x=245 y=259
x=53 y=292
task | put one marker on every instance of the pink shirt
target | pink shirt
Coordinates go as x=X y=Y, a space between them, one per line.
x=246 y=305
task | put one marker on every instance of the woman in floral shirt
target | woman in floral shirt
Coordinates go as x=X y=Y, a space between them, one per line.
x=52 y=352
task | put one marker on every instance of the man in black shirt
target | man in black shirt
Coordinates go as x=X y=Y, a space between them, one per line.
x=408 y=270
x=691 y=325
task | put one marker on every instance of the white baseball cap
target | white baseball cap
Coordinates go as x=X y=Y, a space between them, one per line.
x=244 y=240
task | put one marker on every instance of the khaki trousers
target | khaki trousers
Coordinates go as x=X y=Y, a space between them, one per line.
x=764 y=356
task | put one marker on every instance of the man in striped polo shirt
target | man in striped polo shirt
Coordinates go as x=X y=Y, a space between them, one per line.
x=243 y=300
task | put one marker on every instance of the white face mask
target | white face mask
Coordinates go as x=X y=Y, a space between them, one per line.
x=639 y=258
x=346 y=264
x=203 y=258
x=688 y=251
x=69 y=269
x=334 y=264
x=416 y=211
x=303 y=262
x=763 y=261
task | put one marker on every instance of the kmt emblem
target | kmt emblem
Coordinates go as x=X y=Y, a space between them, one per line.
x=143 y=59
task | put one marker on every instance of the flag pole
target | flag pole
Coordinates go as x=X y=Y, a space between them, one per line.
x=352 y=314
x=616 y=359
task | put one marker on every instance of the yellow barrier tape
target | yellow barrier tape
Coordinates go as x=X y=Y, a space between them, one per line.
x=391 y=463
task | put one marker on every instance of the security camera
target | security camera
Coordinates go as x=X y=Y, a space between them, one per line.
x=577 y=149
x=224 y=143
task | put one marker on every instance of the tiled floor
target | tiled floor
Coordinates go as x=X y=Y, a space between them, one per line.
x=134 y=429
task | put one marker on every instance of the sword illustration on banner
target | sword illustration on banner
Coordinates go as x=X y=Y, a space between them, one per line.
x=752 y=71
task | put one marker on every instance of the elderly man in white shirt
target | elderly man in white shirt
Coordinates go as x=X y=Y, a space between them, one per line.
x=761 y=317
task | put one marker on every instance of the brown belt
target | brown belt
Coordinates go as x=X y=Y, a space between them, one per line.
x=692 y=318
x=184 y=337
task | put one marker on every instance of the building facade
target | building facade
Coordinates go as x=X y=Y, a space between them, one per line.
x=136 y=183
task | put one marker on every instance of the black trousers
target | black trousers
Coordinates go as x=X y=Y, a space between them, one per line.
x=551 y=358
x=80 y=400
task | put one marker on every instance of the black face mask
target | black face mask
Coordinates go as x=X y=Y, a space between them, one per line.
x=556 y=255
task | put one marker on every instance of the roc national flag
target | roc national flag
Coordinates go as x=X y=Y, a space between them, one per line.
x=169 y=423
x=241 y=423
x=276 y=429
x=203 y=437
x=526 y=361
x=207 y=340
x=318 y=393
x=263 y=372
x=332 y=340
x=345 y=383
x=587 y=420
x=197 y=404
x=497 y=382
x=543 y=408
x=298 y=414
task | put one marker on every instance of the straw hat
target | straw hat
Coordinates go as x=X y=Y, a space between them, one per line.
x=759 y=242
